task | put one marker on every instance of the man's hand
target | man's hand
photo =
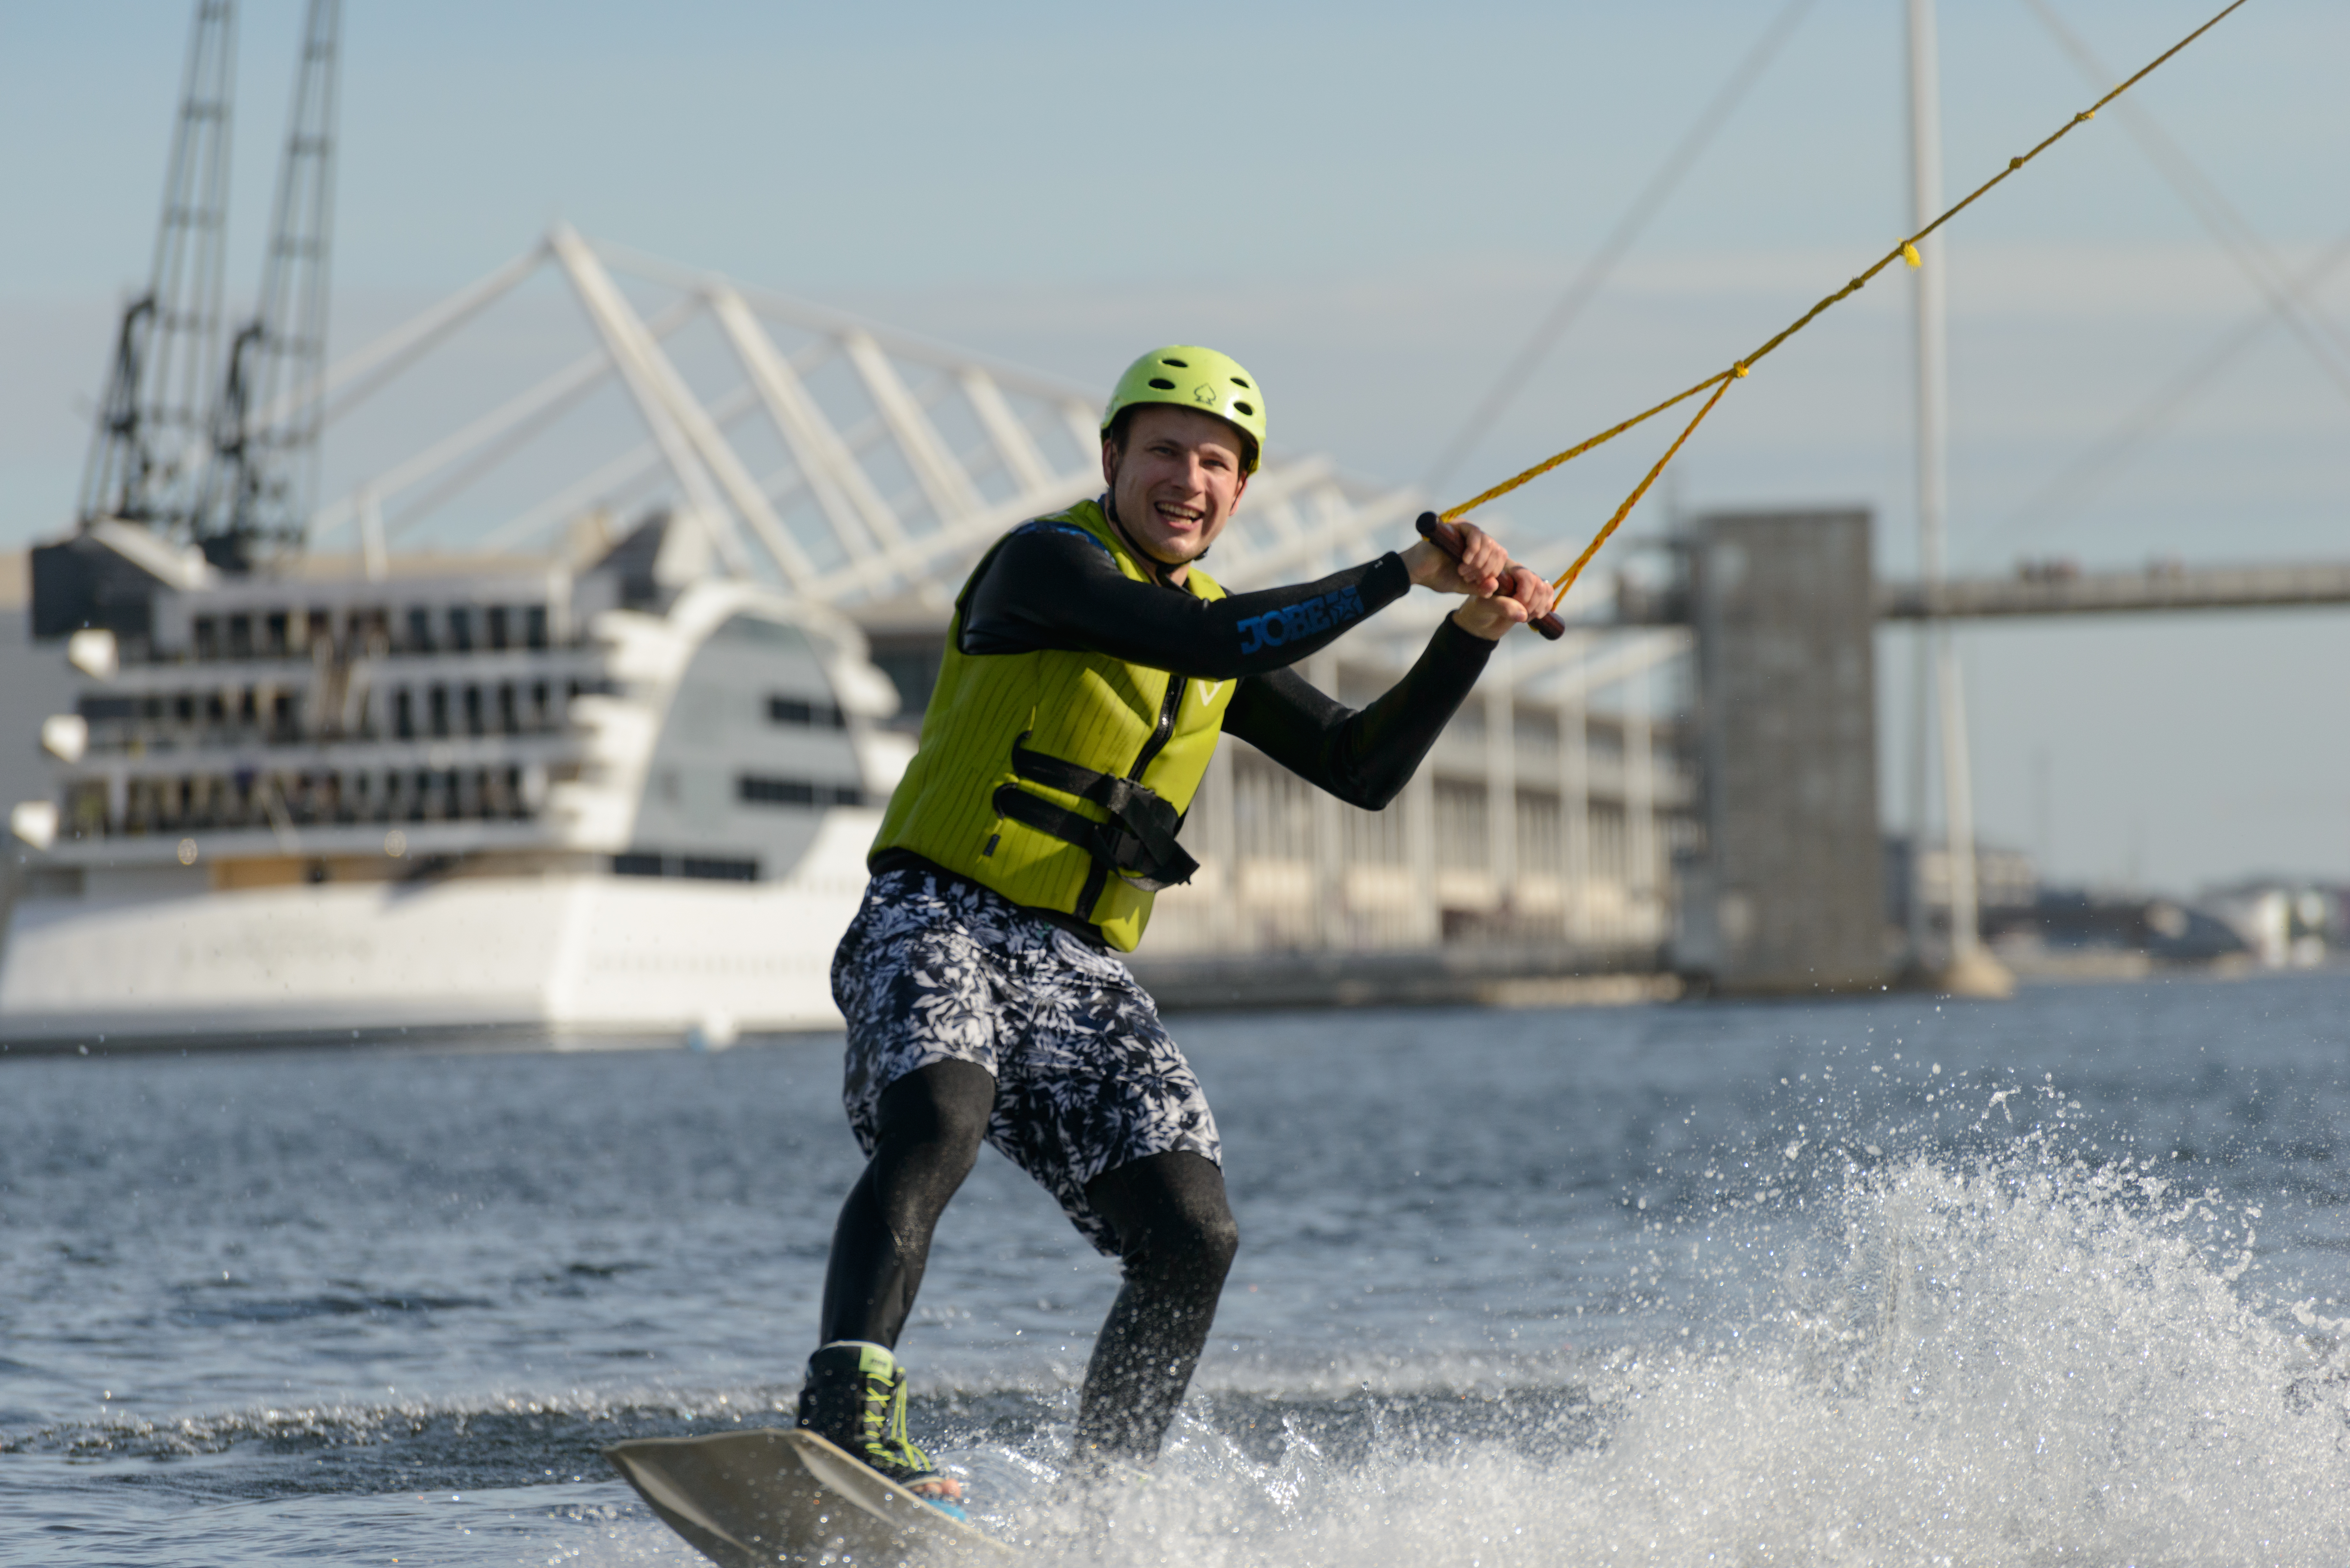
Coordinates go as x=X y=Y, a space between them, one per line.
x=1477 y=573
x=1517 y=600
x=1499 y=596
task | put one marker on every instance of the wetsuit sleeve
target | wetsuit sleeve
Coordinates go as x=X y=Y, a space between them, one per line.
x=1364 y=757
x=1052 y=587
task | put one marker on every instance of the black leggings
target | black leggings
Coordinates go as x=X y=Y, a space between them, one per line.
x=1176 y=1240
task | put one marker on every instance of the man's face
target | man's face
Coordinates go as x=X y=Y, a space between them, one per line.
x=1175 y=481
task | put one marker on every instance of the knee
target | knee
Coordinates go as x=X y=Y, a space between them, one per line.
x=1197 y=1240
x=958 y=1127
x=943 y=1107
x=1217 y=1240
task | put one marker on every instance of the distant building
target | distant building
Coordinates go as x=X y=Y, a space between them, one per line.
x=2070 y=931
x=2283 y=924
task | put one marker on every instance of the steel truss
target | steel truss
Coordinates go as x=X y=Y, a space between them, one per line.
x=896 y=474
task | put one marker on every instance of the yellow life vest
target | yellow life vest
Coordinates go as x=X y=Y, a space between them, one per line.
x=1059 y=778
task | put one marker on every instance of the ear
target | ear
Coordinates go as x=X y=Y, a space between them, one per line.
x=1110 y=462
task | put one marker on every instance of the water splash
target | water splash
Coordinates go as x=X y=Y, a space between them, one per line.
x=1594 y=1332
x=2009 y=1357
x=2019 y=1358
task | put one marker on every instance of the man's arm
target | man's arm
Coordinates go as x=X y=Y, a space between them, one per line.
x=1365 y=758
x=1057 y=586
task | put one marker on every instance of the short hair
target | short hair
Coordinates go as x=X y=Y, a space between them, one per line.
x=1116 y=433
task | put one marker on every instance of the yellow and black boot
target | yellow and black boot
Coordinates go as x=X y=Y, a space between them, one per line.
x=855 y=1397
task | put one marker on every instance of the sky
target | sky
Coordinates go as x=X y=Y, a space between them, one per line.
x=1373 y=205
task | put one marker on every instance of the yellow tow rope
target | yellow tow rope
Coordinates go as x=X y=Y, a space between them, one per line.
x=1907 y=251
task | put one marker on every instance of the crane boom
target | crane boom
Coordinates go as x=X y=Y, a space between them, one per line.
x=146 y=451
x=257 y=493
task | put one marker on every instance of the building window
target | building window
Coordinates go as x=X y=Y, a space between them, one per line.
x=759 y=791
x=461 y=630
x=473 y=709
x=914 y=671
x=369 y=631
x=240 y=637
x=437 y=703
x=534 y=626
x=707 y=868
x=805 y=712
x=420 y=632
x=494 y=620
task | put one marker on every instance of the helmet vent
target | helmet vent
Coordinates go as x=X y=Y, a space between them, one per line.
x=1243 y=406
x=1162 y=383
x=1179 y=364
x=1242 y=382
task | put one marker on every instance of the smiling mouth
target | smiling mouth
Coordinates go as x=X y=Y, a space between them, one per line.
x=1182 y=517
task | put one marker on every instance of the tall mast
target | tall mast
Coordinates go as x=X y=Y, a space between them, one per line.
x=258 y=494
x=146 y=453
x=1933 y=504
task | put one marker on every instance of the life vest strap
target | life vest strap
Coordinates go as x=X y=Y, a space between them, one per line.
x=1139 y=839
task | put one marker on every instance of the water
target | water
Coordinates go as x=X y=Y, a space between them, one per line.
x=2057 y=1281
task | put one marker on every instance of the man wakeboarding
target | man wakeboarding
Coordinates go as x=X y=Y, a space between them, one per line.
x=1090 y=666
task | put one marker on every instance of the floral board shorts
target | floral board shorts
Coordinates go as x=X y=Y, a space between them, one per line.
x=1086 y=1079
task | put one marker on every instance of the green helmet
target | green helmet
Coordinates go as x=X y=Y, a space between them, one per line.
x=1194 y=378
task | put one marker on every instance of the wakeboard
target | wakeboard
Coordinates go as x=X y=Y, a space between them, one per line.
x=758 y=1498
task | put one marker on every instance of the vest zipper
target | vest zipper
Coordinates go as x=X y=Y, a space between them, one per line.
x=1167 y=709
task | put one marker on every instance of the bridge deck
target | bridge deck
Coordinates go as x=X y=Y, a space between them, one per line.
x=2103 y=593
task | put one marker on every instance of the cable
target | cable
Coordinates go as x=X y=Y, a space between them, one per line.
x=1905 y=251
x=1627 y=232
x=1567 y=578
x=2070 y=487
x=2218 y=215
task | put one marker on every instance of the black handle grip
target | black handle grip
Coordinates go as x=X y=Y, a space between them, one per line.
x=1447 y=538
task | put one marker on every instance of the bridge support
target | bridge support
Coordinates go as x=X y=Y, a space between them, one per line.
x=1784 y=893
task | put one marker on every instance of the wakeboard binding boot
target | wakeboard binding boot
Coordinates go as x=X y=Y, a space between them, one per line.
x=855 y=1397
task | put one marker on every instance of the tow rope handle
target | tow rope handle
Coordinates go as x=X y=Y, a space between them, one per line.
x=1447 y=538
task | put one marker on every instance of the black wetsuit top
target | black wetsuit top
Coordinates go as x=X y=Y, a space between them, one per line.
x=1052 y=585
